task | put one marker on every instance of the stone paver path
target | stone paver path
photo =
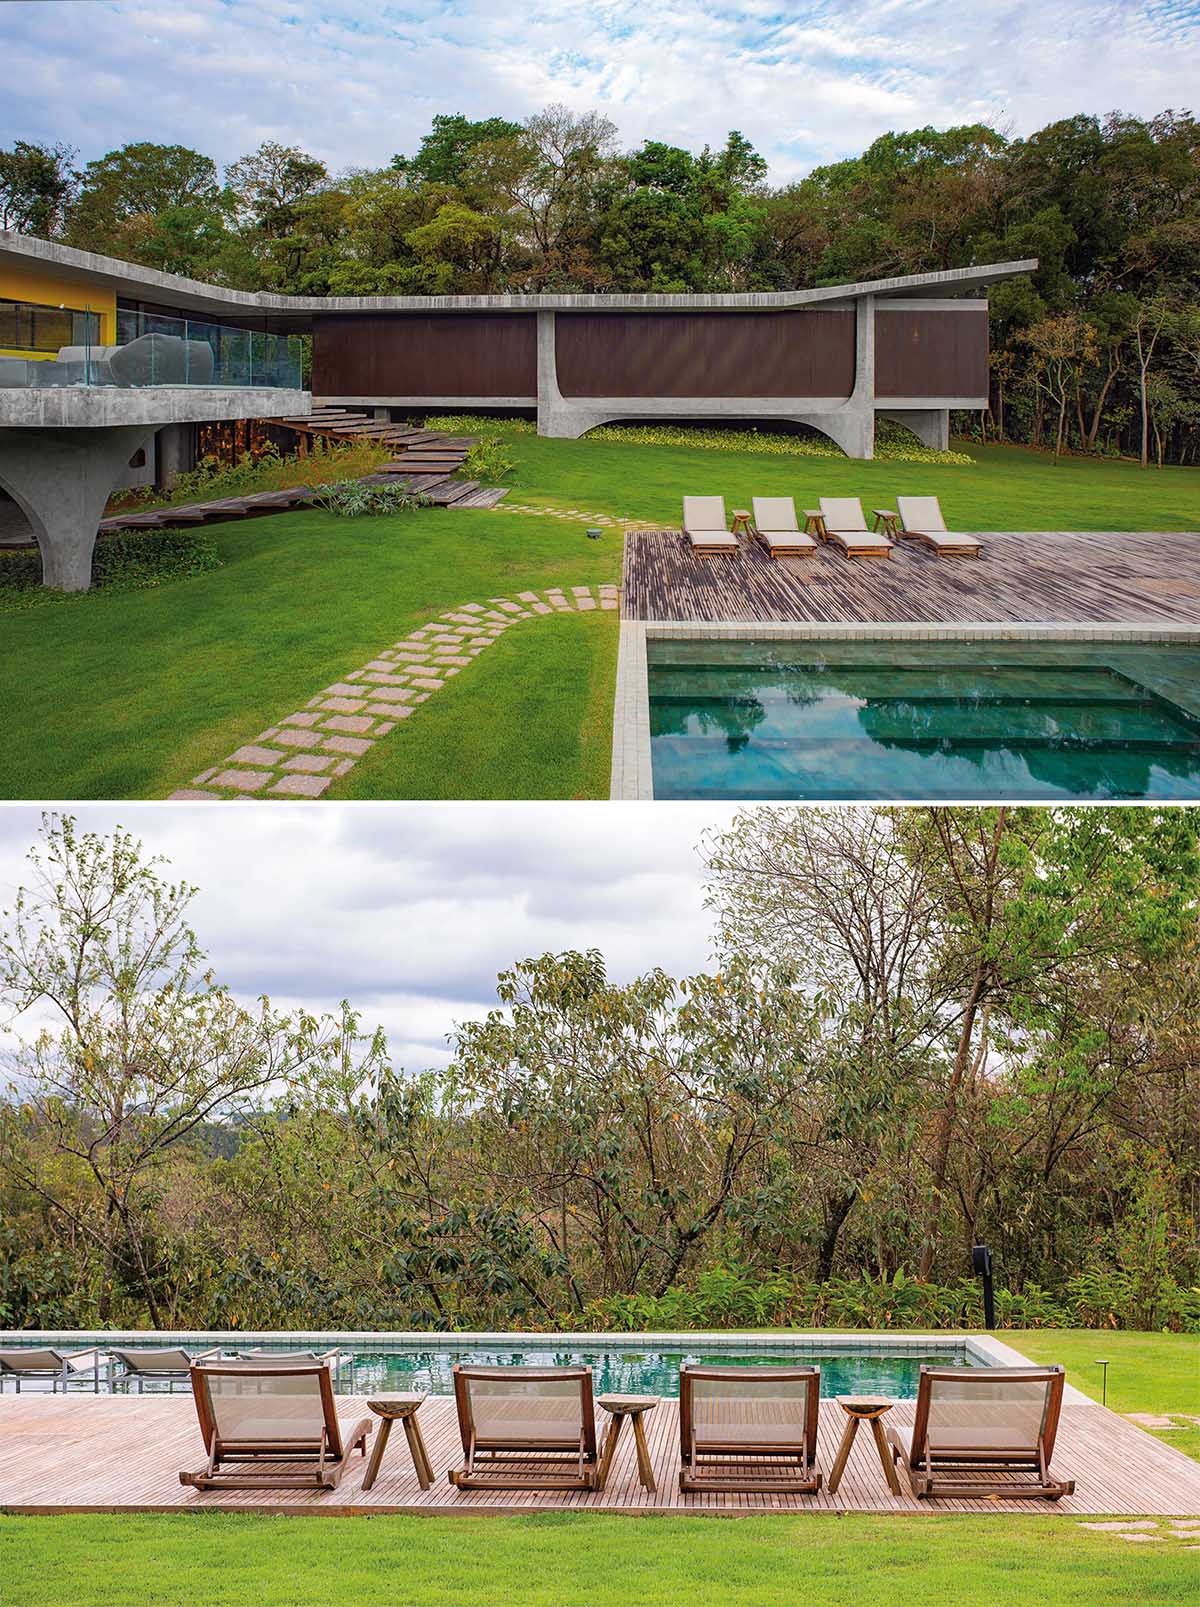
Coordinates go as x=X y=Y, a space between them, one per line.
x=306 y=752
x=576 y=515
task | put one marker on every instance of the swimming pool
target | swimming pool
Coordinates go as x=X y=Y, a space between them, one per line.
x=848 y=1367
x=907 y=719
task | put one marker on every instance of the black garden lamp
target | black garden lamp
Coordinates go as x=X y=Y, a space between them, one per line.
x=1102 y=1364
x=981 y=1263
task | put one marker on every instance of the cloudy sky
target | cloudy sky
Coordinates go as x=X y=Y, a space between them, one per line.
x=409 y=912
x=354 y=81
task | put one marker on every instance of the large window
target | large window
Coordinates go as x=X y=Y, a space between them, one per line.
x=25 y=326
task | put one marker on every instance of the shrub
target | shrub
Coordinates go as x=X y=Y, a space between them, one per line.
x=325 y=463
x=127 y=560
x=488 y=460
x=473 y=423
x=351 y=499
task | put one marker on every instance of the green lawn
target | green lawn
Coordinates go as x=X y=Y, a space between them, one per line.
x=581 y=1561
x=128 y=695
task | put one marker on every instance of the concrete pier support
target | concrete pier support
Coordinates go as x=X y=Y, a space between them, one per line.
x=61 y=480
x=930 y=425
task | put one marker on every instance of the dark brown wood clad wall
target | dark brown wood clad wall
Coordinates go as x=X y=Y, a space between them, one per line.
x=931 y=353
x=420 y=354
x=706 y=354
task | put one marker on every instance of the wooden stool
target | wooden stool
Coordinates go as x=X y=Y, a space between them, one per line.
x=741 y=525
x=405 y=1408
x=814 y=524
x=864 y=1409
x=620 y=1407
x=888 y=522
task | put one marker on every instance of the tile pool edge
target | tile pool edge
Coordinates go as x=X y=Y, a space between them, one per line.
x=632 y=772
x=983 y=1348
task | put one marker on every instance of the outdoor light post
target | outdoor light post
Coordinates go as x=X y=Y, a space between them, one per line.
x=981 y=1262
x=1102 y=1364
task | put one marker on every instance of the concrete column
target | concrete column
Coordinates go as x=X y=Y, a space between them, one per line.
x=859 y=427
x=61 y=480
x=931 y=425
x=176 y=447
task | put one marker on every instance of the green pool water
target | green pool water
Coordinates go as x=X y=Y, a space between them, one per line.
x=617 y=1368
x=899 y=720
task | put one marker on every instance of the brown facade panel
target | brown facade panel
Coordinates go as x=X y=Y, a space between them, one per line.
x=706 y=354
x=935 y=353
x=425 y=354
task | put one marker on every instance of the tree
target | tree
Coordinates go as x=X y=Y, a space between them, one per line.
x=1062 y=347
x=37 y=184
x=123 y=193
x=1150 y=321
x=445 y=152
x=146 y=1049
x=270 y=184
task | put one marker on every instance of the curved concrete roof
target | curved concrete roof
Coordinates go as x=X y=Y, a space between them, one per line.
x=192 y=295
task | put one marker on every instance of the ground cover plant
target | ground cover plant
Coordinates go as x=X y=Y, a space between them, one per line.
x=324 y=463
x=582 y=1560
x=126 y=560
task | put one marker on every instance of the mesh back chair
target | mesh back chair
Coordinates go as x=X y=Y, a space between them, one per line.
x=921 y=519
x=775 y=525
x=525 y=1428
x=254 y=1415
x=846 y=525
x=55 y=1367
x=706 y=527
x=749 y=1428
x=979 y=1429
x=169 y=1367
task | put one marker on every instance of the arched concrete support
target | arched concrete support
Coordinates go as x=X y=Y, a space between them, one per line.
x=61 y=480
x=930 y=425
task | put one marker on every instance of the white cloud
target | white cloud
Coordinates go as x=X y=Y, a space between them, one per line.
x=411 y=910
x=353 y=81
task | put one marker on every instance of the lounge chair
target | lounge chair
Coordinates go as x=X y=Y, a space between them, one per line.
x=525 y=1428
x=169 y=1367
x=334 y=1359
x=977 y=1428
x=921 y=520
x=251 y=1416
x=749 y=1428
x=775 y=524
x=845 y=524
x=48 y=1365
x=706 y=527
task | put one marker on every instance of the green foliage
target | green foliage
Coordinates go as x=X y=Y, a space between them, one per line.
x=354 y=499
x=895 y=445
x=126 y=560
x=489 y=460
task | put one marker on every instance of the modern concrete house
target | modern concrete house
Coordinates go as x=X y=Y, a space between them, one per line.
x=837 y=358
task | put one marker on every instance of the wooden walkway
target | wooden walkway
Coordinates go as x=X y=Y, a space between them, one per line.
x=1082 y=578
x=86 y=1453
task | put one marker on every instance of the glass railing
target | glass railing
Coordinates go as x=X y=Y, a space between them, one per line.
x=154 y=350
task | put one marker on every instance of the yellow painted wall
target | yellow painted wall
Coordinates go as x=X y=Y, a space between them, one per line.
x=49 y=289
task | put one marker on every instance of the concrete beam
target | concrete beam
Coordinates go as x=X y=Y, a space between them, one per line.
x=61 y=480
x=101 y=407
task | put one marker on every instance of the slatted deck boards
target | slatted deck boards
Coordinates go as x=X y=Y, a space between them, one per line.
x=1151 y=578
x=87 y=1453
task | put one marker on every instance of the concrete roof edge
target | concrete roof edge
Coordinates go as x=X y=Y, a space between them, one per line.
x=151 y=283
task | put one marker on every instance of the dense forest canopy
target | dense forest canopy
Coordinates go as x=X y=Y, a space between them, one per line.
x=1099 y=350
x=921 y=1028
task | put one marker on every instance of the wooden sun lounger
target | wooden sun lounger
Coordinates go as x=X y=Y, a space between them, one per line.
x=977 y=1427
x=845 y=525
x=775 y=525
x=921 y=520
x=525 y=1428
x=749 y=1428
x=706 y=527
x=251 y=1416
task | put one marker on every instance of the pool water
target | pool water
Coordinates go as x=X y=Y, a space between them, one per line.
x=616 y=1368
x=903 y=720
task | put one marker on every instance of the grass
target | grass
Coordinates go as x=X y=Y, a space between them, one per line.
x=129 y=696
x=563 y=1560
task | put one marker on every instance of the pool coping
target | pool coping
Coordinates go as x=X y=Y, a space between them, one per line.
x=632 y=778
x=984 y=1348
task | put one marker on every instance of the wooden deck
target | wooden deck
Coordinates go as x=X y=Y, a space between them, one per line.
x=85 y=1453
x=1080 y=578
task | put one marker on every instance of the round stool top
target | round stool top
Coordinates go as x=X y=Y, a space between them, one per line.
x=628 y=1403
x=395 y=1405
x=865 y=1405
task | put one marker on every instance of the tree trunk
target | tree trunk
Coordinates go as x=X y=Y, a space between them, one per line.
x=944 y=1131
x=837 y=1219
